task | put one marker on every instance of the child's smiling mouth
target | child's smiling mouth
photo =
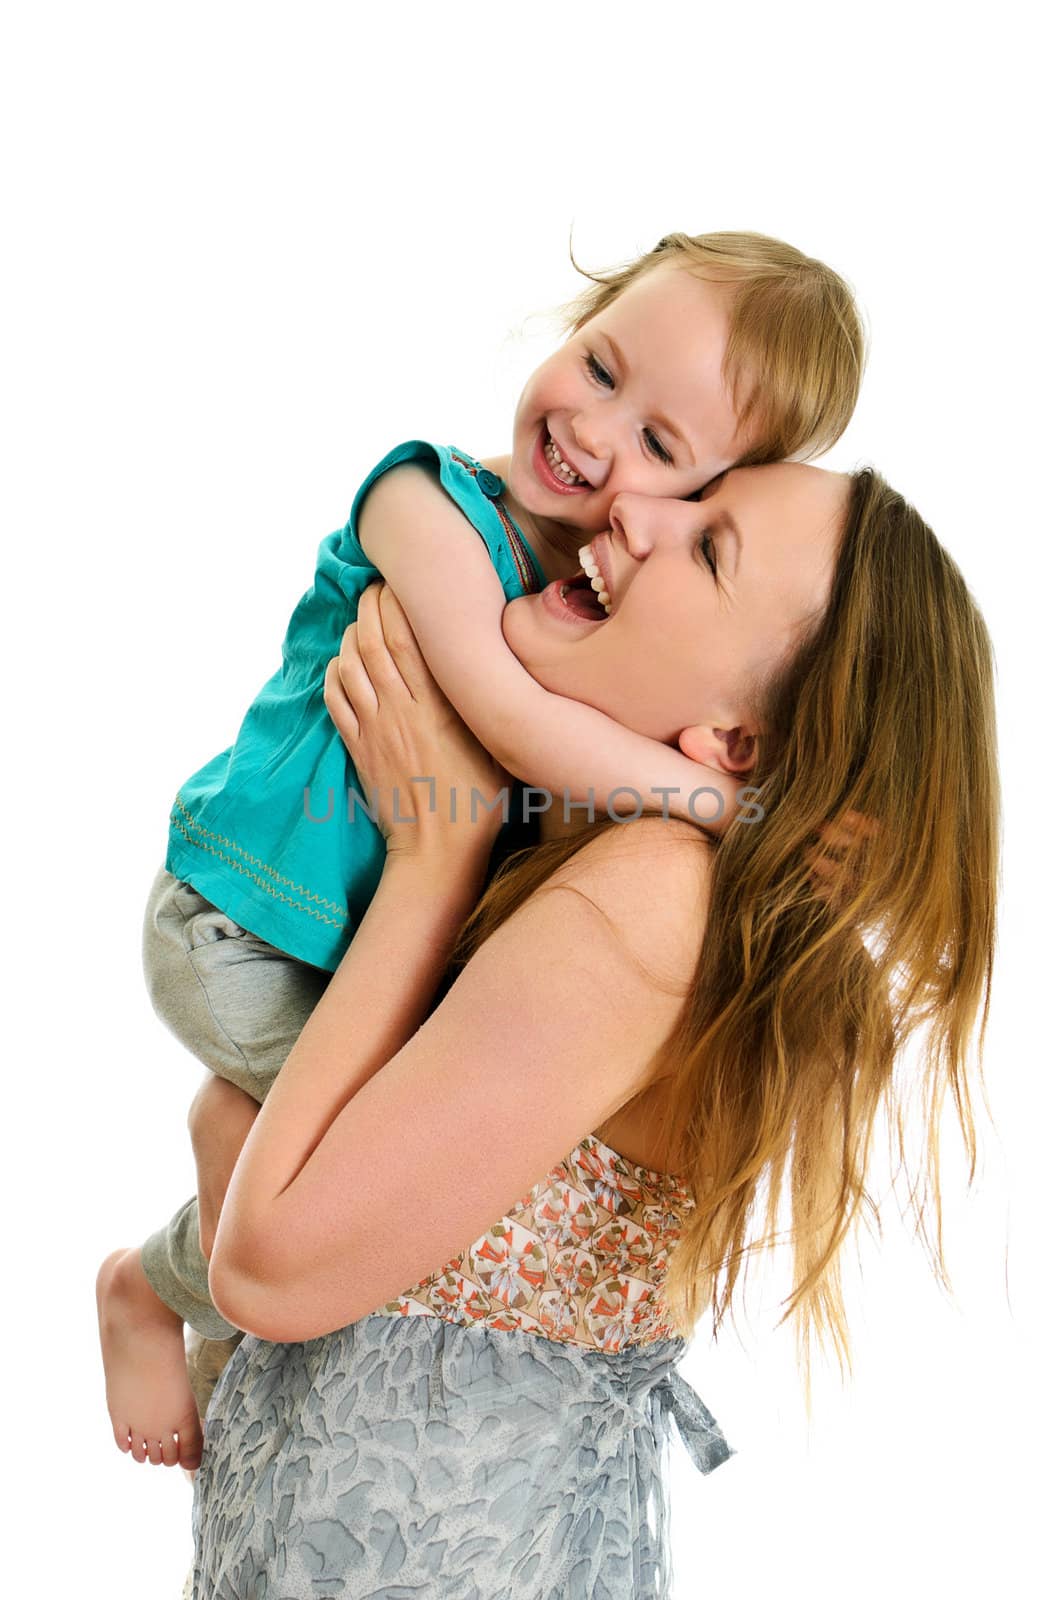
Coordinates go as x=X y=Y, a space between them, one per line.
x=560 y=465
x=553 y=469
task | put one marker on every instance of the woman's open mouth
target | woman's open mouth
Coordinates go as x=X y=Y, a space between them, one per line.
x=555 y=472
x=586 y=593
x=582 y=598
x=578 y=596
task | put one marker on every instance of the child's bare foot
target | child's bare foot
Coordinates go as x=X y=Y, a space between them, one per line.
x=148 y=1394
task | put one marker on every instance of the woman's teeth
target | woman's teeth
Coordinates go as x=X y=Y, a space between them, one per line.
x=561 y=468
x=592 y=572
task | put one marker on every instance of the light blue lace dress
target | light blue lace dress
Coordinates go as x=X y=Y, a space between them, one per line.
x=500 y=1430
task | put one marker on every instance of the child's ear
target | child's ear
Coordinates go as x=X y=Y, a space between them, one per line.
x=730 y=750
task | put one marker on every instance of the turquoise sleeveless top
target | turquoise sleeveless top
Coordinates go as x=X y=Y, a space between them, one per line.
x=268 y=830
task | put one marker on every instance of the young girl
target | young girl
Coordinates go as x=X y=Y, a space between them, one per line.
x=703 y=353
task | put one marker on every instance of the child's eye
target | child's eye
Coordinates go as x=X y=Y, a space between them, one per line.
x=657 y=448
x=598 y=372
x=706 y=544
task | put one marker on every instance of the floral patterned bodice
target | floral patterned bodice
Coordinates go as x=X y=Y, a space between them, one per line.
x=581 y=1259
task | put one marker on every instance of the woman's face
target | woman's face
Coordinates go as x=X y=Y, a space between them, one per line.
x=704 y=594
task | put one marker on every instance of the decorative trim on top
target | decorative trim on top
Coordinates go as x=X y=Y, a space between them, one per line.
x=516 y=543
x=183 y=821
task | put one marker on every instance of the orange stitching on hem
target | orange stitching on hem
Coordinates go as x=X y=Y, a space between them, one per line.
x=261 y=882
x=182 y=827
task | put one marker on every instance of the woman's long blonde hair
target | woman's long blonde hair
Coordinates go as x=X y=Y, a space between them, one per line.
x=811 y=985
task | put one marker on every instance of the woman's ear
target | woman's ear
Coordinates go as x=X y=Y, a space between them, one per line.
x=730 y=750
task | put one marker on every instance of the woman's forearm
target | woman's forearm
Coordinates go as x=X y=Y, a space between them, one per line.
x=379 y=996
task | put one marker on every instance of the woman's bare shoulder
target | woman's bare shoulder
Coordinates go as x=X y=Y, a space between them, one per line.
x=644 y=844
x=651 y=879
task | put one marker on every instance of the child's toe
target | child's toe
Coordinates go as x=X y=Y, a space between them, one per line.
x=138 y=1447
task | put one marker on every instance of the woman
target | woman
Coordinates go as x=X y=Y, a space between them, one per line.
x=658 y=1024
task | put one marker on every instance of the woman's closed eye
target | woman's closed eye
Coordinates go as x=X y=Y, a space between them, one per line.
x=599 y=374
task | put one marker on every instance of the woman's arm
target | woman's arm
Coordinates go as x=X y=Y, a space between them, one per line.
x=377 y=1156
x=363 y=1173
x=412 y=531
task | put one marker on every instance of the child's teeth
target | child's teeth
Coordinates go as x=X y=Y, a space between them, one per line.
x=560 y=467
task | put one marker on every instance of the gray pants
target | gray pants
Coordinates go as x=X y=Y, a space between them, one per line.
x=238 y=1004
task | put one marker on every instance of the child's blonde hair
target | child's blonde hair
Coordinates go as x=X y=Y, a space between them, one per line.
x=796 y=345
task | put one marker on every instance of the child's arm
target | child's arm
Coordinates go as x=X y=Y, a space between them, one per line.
x=219 y=1121
x=444 y=580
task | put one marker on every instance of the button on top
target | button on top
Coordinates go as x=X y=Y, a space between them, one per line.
x=490 y=484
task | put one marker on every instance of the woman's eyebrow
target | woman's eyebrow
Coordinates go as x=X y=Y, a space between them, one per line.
x=623 y=367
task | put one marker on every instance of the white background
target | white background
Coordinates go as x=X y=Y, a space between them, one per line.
x=251 y=247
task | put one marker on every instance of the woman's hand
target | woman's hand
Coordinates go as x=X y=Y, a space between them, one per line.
x=436 y=785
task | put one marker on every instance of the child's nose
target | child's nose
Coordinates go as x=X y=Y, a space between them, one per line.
x=590 y=434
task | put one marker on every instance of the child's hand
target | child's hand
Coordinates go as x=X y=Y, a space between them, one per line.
x=834 y=865
x=435 y=782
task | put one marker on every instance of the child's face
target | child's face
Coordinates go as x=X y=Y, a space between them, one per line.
x=635 y=402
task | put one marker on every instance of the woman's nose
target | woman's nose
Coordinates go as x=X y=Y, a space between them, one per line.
x=642 y=521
